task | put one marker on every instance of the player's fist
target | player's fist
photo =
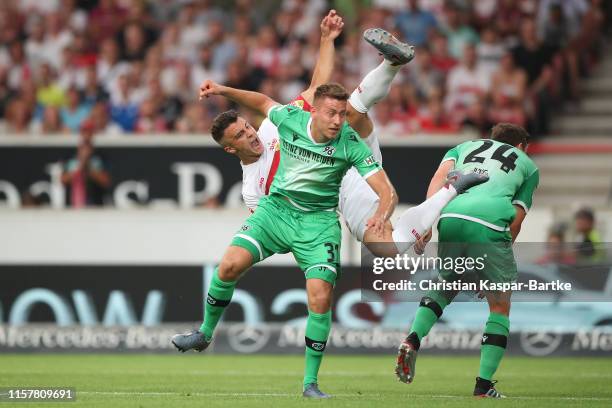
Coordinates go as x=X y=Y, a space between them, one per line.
x=421 y=243
x=208 y=88
x=331 y=25
x=376 y=224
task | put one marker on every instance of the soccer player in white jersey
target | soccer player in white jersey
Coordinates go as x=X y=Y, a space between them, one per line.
x=259 y=153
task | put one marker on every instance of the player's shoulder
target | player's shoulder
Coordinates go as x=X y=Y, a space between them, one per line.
x=348 y=134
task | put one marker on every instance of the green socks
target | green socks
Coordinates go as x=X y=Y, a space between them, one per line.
x=493 y=345
x=429 y=311
x=219 y=295
x=317 y=331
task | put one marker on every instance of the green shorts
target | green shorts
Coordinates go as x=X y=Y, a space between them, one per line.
x=491 y=250
x=277 y=227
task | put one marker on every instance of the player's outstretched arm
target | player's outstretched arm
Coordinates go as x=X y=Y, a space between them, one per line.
x=439 y=178
x=331 y=27
x=252 y=100
x=380 y=183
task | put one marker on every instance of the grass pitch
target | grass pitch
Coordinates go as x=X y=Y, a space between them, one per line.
x=200 y=380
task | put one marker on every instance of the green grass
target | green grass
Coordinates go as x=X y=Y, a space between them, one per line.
x=199 y=380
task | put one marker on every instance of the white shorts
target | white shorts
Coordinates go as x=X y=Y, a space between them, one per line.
x=358 y=201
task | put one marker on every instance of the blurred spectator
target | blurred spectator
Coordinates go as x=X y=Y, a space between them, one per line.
x=51 y=122
x=557 y=252
x=535 y=58
x=459 y=34
x=194 y=119
x=35 y=49
x=84 y=175
x=490 y=50
x=105 y=20
x=109 y=67
x=384 y=122
x=19 y=68
x=433 y=118
x=415 y=24
x=133 y=42
x=101 y=122
x=203 y=69
x=508 y=92
x=123 y=110
x=17 y=116
x=49 y=92
x=589 y=248
x=75 y=111
x=224 y=48
x=57 y=37
x=149 y=118
x=93 y=92
x=440 y=57
x=424 y=76
x=477 y=118
x=467 y=83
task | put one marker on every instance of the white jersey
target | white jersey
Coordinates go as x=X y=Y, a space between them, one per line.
x=357 y=199
x=256 y=178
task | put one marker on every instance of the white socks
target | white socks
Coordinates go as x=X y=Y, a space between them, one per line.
x=414 y=222
x=374 y=86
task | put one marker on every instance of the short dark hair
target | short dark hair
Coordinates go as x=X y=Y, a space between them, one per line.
x=510 y=133
x=331 y=90
x=585 y=213
x=221 y=122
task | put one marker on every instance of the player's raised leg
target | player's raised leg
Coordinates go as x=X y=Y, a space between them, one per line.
x=376 y=84
x=416 y=221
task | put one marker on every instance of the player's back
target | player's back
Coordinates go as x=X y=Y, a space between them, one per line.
x=513 y=177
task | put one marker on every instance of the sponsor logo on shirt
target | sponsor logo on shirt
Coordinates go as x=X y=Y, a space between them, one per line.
x=299 y=103
x=261 y=182
x=370 y=160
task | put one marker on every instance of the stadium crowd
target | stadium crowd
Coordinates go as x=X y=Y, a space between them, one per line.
x=134 y=66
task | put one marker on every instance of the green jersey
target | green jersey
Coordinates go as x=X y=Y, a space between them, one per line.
x=513 y=178
x=310 y=173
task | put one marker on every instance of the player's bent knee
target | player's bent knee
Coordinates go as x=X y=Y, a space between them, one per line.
x=319 y=295
x=235 y=261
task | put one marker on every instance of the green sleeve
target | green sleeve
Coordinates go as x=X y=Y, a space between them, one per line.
x=524 y=196
x=452 y=154
x=359 y=154
x=278 y=113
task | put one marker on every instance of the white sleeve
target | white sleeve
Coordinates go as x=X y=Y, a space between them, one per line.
x=267 y=132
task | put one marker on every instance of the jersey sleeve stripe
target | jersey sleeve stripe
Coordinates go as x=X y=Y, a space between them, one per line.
x=371 y=173
x=331 y=268
x=254 y=242
x=522 y=204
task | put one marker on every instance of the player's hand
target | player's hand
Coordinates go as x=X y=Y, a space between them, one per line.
x=421 y=243
x=331 y=25
x=377 y=225
x=208 y=88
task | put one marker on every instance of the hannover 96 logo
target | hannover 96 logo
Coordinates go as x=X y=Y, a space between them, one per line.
x=329 y=150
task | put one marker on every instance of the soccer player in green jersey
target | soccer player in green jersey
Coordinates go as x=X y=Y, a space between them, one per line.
x=299 y=215
x=488 y=218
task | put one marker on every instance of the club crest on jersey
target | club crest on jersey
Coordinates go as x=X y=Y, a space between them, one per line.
x=329 y=150
x=295 y=137
x=299 y=103
x=273 y=145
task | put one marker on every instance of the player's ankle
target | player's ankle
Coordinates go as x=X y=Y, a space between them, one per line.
x=413 y=340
